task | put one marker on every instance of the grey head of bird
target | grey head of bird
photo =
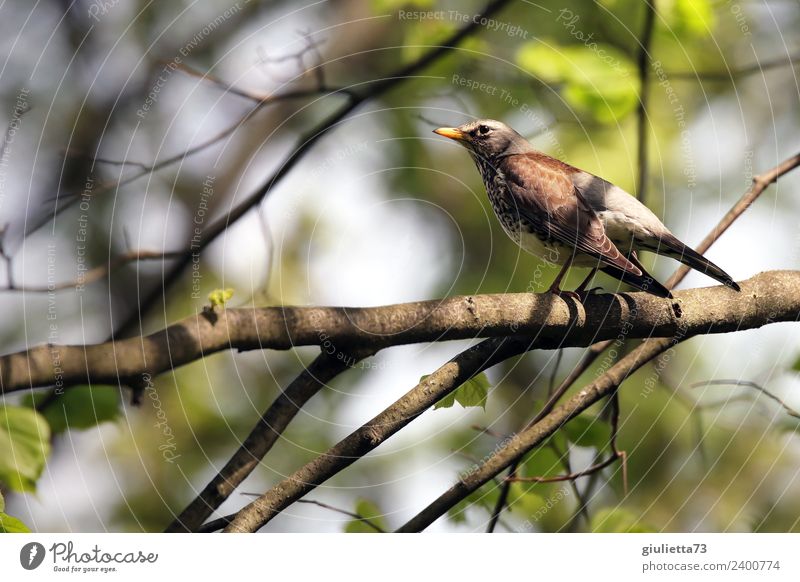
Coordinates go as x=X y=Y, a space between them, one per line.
x=487 y=138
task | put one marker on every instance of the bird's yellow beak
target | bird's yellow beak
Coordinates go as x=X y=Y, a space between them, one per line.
x=452 y=133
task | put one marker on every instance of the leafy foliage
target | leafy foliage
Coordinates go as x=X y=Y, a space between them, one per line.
x=473 y=392
x=80 y=407
x=24 y=447
x=617 y=520
x=688 y=18
x=10 y=524
x=368 y=510
x=544 y=461
x=588 y=431
x=594 y=78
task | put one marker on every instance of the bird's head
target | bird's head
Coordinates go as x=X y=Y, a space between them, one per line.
x=487 y=138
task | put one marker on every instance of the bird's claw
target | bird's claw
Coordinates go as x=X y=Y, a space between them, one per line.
x=567 y=294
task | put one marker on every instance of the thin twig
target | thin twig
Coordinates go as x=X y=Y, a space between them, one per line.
x=352 y=514
x=486 y=430
x=96 y=273
x=218 y=524
x=563 y=456
x=643 y=62
x=747 y=384
x=622 y=455
x=791 y=60
x=551 y=385
x=571 y=477
x=7 y=258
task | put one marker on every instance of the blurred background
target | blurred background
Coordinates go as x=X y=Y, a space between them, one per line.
x=380 y=210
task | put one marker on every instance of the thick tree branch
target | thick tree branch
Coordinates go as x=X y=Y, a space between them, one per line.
x=366 y=438
x=760 y=183
x=521 y=443
x=261 y=439
x=755 y=292
x=550 y=320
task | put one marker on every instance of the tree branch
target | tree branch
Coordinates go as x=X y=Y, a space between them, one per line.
x=304 y=144
x=643 y=62
x=366 y=438
x=759 y=185
x=522 y=443
x=261 y=439
x=550 y=320
x=756 y=293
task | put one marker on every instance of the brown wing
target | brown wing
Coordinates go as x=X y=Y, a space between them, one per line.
x=545 y=196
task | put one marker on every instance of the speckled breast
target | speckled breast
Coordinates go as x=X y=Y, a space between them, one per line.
x=520 y=230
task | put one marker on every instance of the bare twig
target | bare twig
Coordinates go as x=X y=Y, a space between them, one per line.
x=7 y=258
x=311 y=45
x=352 y=514
x=583 y=503
x=96 y=273
x=622 y=455
x=218 y=524
x=643 y=62
x=789 y=410
x=570 y=477
x=767 y=65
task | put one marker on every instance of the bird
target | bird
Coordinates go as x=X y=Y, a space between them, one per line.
x=570 y=217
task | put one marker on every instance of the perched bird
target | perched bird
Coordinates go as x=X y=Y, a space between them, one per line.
x=567 y=216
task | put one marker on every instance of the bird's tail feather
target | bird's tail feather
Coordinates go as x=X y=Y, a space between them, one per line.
x=645 y=281
x=673 y=248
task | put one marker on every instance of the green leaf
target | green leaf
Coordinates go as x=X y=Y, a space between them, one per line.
x=588 y=431
x=688 y=18
x=796 y=365
x=595 y=78
x=522 y=496
x=24 y=447
x=617 y=520
x=473 y=392
x=542 y=462
x=368 y=510
x=10 y=524
x=80 y=407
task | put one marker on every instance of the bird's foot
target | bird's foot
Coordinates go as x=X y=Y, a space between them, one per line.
x=566 y=294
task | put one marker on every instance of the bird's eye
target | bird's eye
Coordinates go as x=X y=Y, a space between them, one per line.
x=483 y=129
